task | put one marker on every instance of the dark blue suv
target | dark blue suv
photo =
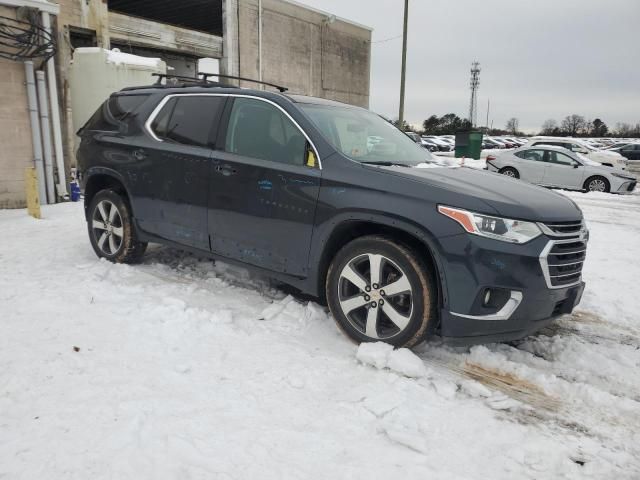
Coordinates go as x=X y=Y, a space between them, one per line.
x=336 y=202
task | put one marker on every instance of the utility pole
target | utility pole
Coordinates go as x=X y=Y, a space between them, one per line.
x=474 y=84
x=488 y=105
x=404 y=64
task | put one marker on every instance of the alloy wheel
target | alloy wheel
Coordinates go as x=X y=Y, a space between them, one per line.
x=107 y=227
x=375 y=296
x=509 y=173
x=597 y=185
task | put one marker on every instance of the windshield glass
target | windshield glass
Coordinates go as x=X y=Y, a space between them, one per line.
x=365 y=137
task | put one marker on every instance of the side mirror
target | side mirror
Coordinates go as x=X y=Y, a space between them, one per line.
x=576 y=165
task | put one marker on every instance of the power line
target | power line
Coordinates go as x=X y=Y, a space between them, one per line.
x=387 y=39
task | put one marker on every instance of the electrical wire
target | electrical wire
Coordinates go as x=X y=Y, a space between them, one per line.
x=25 y=40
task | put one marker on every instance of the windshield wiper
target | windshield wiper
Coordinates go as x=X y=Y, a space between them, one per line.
x=388 y=164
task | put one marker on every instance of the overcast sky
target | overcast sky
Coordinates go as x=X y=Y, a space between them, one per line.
x=540 y=59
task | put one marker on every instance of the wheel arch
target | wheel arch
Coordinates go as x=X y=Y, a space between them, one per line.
x=101 y=179
x=403 y=231
x=585 y=185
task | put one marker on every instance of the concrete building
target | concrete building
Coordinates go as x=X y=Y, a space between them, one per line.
x=279 y=41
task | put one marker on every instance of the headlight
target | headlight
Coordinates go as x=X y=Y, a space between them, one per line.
x=507 y=230
x=626 y=177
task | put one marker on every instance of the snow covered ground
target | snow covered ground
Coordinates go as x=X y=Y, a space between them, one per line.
x=182 y=369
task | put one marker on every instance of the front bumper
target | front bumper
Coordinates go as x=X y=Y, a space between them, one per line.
x=627 y=187
x=528 y=305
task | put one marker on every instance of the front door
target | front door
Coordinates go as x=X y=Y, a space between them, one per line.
x=178 y=167
x=562 y=172
x=264 y=188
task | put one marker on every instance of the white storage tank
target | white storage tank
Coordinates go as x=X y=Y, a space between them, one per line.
x=96 y=73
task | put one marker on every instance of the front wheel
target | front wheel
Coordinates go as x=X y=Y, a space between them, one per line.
x=596 y=184
x=111 y=230
x=378 y=290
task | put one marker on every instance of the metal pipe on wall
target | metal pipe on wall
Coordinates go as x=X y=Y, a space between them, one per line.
x=260 y=42
x=46 y=136
x=36 y=136
x=55 y=113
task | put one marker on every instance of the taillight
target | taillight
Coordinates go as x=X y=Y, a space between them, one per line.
x=491 y=157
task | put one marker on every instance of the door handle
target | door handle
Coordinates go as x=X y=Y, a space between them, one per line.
x=226 y=170
x=139 y=154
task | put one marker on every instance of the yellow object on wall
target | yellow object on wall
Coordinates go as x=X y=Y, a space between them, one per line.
x=31 y=186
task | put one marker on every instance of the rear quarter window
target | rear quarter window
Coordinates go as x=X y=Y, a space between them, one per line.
x=115 y=112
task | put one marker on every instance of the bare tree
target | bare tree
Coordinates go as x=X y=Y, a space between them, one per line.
x=573 y=124
x=512 y=126
x=549 y=127
x=623 y=129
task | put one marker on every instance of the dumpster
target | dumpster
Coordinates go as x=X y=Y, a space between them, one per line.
x=468 y=144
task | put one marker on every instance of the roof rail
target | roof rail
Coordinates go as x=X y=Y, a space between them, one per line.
x=205 y=77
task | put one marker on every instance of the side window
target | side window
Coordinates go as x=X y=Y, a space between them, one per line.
x=260 y=130
x=534 y=155
x=560 y=158
x=189 y=120
x=115 y=111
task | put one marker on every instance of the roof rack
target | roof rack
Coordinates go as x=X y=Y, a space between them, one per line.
x=205 y=77
x=204 y=80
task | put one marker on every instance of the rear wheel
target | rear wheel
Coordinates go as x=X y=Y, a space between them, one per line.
x=597 y=184
x=111 y=229
x=378 y=290
x=510 y=172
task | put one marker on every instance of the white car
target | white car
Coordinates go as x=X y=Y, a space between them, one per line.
x=561 y=168
x=604 y=157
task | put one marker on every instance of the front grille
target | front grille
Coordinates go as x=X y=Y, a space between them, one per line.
x=563 y=258
x=564 y=262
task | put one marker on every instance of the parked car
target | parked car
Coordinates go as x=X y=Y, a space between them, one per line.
x=491 y=144
x=558 y=167
x=414 y=136
x=604 y=157
x=630 y=151
x=430 y=145
x=443 y=145
x=399 y=246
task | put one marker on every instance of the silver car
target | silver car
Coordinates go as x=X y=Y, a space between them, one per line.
x=558 y=167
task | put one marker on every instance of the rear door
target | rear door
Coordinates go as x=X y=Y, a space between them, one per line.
x=264 y=188
x=176 y=168
x=531 y=165
x=561 y=171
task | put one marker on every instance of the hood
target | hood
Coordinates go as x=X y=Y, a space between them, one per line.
x=491 y=193
x=608 y=153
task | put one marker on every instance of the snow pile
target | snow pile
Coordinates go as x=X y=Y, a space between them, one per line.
x=121 y=58
x=184 y=368
x=381 y=355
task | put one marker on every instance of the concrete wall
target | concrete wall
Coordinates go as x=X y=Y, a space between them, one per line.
x=302 y=50
x=16 y=152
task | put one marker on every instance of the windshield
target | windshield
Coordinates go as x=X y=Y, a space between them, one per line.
x=365 y=137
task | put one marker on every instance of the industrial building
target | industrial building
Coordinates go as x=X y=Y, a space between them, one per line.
x=279 y=41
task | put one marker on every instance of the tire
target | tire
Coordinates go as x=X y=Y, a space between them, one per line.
x=364 y=311
x=112 y=233
x=510 y=172
x=597 y=184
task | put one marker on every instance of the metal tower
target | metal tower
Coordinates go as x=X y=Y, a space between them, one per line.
x=474 y=84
